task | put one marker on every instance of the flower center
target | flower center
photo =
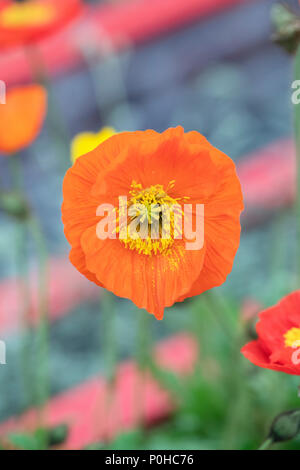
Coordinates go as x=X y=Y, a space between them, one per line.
x=154 y=219
x=292 y=338
x=26 y=14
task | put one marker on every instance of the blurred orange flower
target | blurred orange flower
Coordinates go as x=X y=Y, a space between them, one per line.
x=21 y=117
x=168 y=169
x=278 y=343
x=27 y=21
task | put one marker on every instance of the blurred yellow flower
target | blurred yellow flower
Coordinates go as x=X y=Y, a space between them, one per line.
x=24 y=14
x=87 y=141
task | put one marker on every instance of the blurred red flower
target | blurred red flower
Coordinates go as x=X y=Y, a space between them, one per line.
x=278 y=343
x=28 y=21
x=21 y=117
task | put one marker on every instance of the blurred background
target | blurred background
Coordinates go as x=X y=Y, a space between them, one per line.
x=209 y=66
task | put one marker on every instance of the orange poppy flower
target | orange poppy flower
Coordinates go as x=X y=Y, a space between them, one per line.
x=21 y=117
x=172 y=170
x=28 y=21
x=278 y=343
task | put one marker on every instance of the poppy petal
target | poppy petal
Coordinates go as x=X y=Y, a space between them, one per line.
x=21 y=117
x=151 y=282
x=255 y=353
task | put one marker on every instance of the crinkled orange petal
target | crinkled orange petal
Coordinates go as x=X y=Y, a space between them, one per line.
x=198 y=171
x=270 y=350
x=255 y=353
x=222 y=220
x=79 y=206
x=160 y=160
x=151 y=282
x=275 y=321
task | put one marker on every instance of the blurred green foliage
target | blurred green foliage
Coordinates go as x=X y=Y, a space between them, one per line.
x=227 y=403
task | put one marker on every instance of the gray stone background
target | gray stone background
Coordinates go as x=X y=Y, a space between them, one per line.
x=221 y=76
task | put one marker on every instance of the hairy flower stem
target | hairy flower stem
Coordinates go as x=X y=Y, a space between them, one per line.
x=100 y=71
x=30 y=224
x=297 y=141
x=266 y=444
x=23 y=282
x=143 y=357
x=222 y=312
x=24 y=297
x=108 y=310
x=42 y=376
x=60 y=134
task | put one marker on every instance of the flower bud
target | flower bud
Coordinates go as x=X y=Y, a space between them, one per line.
x=57 y=435
x=285 y=426
x=287 y=27
x=13 y=204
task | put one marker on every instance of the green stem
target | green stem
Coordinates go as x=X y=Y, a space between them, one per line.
x=31 y=224
x=108 y=310
x=42 y=257
x=109 y=339
x=22 y=273
x=267 y=444
x=143 y=357
x=110 y=66
x=60 y=134
x=42 y=376
x=16 y=173
x=278 y=249
x=297 y=141
x=24 y=289
x=222 y=312
x=143 y=340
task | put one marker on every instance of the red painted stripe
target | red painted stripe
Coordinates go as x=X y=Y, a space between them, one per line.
x=268 y=176
x=84 y=407
x=121 y=23
x=268 y=180
x=62 y=295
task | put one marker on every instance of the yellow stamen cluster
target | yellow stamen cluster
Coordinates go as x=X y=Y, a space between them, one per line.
x=26 y=14
x=292 y=338
x=155 y=232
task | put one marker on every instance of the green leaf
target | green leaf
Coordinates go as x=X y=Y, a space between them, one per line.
x=130 y=440
x=25 y=441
